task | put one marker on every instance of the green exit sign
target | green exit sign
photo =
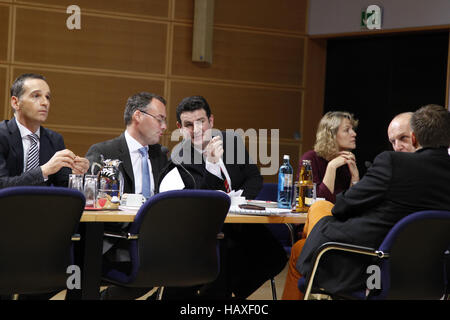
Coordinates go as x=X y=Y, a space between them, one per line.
x=371 y=18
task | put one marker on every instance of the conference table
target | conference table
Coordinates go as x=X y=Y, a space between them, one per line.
x=129 y=215
x=91 y=243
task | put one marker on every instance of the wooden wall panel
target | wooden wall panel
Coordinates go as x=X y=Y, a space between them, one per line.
x=107 y=43
x=290 y=149
x=155 y=8
x=4 y=31
x=256 y=79
x=242 y=56
x=293 y=151
x=289 y=16
x=89 y=100
x=447 y=95
x=79 y=142
x=3 y=92
x=315 y=91
x=244 y=107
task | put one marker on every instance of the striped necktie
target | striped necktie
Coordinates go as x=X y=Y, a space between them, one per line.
x=33 y=152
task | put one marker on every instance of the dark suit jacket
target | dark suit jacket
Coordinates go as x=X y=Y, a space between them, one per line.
x=243 y=174
x=117 y=149
x=396 y=185
x=11 y=157
x=250 y=255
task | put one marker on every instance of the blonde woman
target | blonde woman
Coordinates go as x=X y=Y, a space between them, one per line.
x=333 y=163
x=334 y=170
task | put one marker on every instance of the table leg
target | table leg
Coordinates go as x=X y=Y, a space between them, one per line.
x=88 y=256
x=91 y=270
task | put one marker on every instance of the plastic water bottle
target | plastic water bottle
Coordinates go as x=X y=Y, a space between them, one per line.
x=285 y=179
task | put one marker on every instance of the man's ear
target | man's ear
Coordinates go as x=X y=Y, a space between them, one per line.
x=178 y=125
x=211 y=121
x=137 y=116
x=414 y=141
x=15 y=103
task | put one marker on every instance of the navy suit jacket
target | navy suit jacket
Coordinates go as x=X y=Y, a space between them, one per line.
x=11 y=157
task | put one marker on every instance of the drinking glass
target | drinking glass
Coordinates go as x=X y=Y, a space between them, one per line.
x=90 y=189
x=76 y=182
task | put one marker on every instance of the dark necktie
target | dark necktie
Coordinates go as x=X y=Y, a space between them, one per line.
x=227 y=186
x=33 y=153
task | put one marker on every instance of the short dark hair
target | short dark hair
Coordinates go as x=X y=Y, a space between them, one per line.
x=191 y=104
x=17 y=86
x=431 y=126
x=139 y=101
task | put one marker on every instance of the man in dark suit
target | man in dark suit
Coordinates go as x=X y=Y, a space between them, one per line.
x=145 y=120
x=29 y=153
x=396 y=185
x=399 y=133
x=250 y=255
x=142 y=160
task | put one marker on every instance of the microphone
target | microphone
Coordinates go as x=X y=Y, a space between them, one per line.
x=177 y=163
x=185 y=170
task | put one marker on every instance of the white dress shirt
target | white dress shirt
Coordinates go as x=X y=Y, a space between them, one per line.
x=136 y=162
x=216 y=168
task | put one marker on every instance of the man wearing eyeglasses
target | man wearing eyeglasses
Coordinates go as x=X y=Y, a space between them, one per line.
x=145 y=120
x=142 y=160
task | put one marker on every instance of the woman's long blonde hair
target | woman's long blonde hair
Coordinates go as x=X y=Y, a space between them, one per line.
x=326 y=145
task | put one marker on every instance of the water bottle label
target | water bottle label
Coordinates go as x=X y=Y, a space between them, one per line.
x=287 y=180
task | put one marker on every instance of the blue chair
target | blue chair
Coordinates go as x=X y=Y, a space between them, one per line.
x=35 y=243
x=284 y=233
x=173 y=240
x=411 y=258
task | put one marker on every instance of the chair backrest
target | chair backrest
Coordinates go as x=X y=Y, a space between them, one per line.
x=268 y=192
x=35 y=241
x=177 y=243
x=415 y=268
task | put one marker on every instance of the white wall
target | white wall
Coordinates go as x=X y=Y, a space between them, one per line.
x=341 y=16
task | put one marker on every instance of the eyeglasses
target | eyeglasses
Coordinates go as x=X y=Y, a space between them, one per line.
x=161 y=121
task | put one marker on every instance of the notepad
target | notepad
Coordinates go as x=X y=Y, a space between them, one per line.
x=267 y=212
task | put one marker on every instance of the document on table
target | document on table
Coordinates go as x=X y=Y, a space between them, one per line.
x=172 y=181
